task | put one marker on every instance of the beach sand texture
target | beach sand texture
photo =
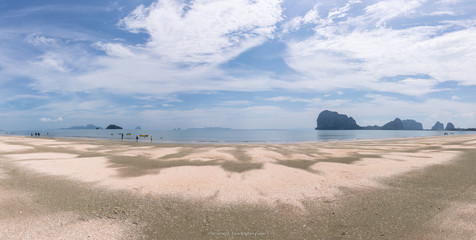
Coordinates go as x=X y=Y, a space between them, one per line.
x=415 y=188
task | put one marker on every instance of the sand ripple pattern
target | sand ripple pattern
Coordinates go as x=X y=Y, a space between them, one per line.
x=243 y=173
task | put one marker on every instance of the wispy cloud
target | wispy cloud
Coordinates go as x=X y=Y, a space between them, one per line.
x=204 y=31
x=359 y=51
x=289 y=99
x=114 y=49
x=234 y=103
x=59 y=119
x=312 y=16
x=186 y=43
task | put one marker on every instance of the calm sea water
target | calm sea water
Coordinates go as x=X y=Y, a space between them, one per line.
x=236 y=135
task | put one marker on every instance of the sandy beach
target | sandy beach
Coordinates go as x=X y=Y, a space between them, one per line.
x=412 y=188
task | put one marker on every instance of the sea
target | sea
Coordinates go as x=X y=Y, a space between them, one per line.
x=232 y=135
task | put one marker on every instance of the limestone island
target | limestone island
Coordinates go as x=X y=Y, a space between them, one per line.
x=329 y=120
x=112 y=126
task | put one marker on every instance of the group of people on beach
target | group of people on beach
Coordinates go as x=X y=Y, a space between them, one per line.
x=122 y=137
x=36 y=134
x=137 y=138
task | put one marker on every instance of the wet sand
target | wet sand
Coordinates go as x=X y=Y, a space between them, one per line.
x=416 y=188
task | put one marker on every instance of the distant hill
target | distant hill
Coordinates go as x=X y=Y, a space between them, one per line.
x=89 y=126
x=112 y=126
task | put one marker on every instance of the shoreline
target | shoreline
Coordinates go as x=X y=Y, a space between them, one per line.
x=233 y=188
x=309 y=138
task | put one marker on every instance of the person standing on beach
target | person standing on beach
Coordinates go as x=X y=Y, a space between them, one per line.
x=150 y=138
x=137 y=139
x=122 y=136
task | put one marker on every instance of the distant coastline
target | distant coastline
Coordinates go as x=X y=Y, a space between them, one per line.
x=247 y=136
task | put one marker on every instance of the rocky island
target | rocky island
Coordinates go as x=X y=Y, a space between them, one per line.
x=328 y=120
x=438 y=127
x=450 y=127
x=397 y=124
x=411 y=124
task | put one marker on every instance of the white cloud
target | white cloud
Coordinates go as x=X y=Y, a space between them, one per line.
x=312 y=103
x=234 y=103
x=441 y=13
x=59 y=119
x=92 y=105
x=52 y=61
x=455 y=98
x=382 y=11
x=359 y=52
x=289 y=99
x=186 y=43
x=409 y=86
x=341 y=12
x=114 y=49
x=294 y=24
x=446 y=2
x=40 y=40
x=25 y=97
x=204 y=31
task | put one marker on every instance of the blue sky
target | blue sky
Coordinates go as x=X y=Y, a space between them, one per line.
x=238 y=63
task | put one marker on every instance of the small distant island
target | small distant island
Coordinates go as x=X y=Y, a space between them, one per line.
x=329 y=120
x=449 y=127
x=89 y=126
x=112 y=126
x=92 y=126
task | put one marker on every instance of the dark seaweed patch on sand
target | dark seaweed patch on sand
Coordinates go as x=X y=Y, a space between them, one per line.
x=138 y=166
x=240 y=167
